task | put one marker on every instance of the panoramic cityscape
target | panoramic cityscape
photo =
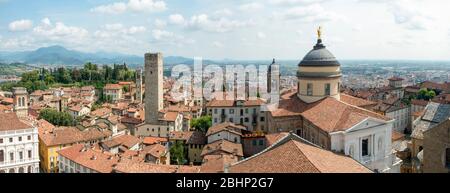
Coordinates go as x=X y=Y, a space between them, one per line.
x=164 y=86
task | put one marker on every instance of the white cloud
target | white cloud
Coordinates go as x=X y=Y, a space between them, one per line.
x=176 y=19
x=20 y=25
x=161 y=34
x=217 y=44
x=223 y=12
x=409 y=16
x=251 y=6
x=311 y=13
x=118 y=30
x=295 y=2
x=59 y=31
x=222 y=24
x=160 y=23
x=133 y=6
x=261 y=35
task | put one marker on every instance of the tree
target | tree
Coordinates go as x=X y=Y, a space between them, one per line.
x=177 y=154
x=426 y=94
x=56 y=118
x=202 y=124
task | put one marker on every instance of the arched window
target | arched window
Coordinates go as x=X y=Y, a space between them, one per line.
x=21 y=170
x=11 y=170
x=23 y=101
x=30 y=169
x=2 y=171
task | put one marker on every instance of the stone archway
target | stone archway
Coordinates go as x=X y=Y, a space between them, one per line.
x=11 y=170
x=21 y=170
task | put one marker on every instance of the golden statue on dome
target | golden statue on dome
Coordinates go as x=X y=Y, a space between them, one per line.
x=319 y=32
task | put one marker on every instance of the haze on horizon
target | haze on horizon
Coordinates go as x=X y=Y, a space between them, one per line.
x=233 y=29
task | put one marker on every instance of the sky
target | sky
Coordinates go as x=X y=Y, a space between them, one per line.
x=231 y=29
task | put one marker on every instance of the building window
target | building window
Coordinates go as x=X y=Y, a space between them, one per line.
x=215 y=111
x=2 y=156
x=11 y=140
x=365 y=147
x=261 y=142
x=246 y=120
x=29 y=154
x=309 y=89
x=231 y=111
x=11 y=156
x=254 y=142
x=20 y=155
x=1 y=140
x=328 y=89
x=231 y=120
x=20 y=138
x=262 y=119
x=29 y=137
x=447 y=157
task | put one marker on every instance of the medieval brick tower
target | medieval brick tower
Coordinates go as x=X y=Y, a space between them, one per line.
x=153 y=87
x=139 y=85
x=20 y=99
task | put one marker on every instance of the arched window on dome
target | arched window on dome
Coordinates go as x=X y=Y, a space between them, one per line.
x=309 y=89
x=327 y=89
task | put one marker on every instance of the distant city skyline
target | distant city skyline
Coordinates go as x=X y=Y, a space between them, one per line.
x=232 y=29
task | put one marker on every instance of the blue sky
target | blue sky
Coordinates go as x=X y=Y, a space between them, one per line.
x=238 y=29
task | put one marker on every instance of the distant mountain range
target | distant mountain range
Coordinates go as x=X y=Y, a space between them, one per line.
x=58 y=55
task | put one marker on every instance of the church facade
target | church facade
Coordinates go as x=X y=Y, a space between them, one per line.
x=316 y=112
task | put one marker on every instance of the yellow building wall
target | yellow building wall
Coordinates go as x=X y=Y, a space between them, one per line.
x=194 y=153
x=46 y=153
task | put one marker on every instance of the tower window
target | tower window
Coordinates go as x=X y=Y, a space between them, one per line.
x=309 y=89
x=328 y=89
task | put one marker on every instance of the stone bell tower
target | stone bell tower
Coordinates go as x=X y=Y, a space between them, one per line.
x=153 y=87
x=20 y=99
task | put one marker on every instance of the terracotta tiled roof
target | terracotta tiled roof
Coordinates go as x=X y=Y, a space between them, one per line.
x=226 y=126
x=419 y=102
x=191 y=137
x=69 y=135
x=112 y=87
x=135 y=167
x=217 y=163
x=170 y=116
x=289 y=105
x=331 y=115
x=275 y=137
x=126 y=140
x=156 y=150
x=220 y=103
x=101 y=112
x=93 y=159
x=222 y=146
x=359 y=102
x=297 y=156
x=231 y=103
x=154 y=140
x=10 y=121
x=397 y=136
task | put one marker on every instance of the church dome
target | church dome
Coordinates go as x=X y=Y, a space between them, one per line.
x=319 y=56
